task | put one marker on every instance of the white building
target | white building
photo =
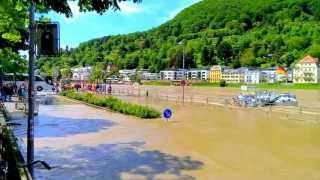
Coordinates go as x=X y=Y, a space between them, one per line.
x=269 y=75
x=168 y=74
x=252 y=77
x=290 y=76
x=126 y=74
x=276 y=74
x=231 y=76
x=234 y=75
x=144 y=74
x=307 y=71
x=197 y=74
x=81 y=73
x=171 y=74
x=149 y=76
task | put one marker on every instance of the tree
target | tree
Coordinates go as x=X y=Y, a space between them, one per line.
x=298 y=43
x=13 y=33
x=207 y=56
x=97 y=74
x=247 y=58
x=13 y=27
x=236 y=62
x=62 y=6
x=10 y=62
x=66 y=72
x=225 y=51
x=287 y=29
x=315 y=50
x=13 y=14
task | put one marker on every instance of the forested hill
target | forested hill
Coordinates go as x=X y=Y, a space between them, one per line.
x=258 y=33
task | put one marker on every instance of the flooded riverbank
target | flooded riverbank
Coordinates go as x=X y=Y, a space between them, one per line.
x=306 y=98
x=199 y=142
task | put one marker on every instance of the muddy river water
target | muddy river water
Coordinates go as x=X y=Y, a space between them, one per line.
x=199 y=142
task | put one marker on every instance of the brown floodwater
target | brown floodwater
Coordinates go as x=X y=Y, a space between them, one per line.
x=199 y=142
x=244 y=143
x=306 y=98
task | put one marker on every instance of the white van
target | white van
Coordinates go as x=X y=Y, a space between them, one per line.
x=40 y=84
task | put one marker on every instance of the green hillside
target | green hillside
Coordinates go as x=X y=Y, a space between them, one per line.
x=258 y=33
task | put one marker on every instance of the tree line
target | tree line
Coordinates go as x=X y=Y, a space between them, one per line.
x=14 y=25
x=260 y=33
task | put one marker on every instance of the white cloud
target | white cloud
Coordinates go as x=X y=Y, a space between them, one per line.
x=126 y=9
x=76 y=14
x=130 y=8
x=75 y=8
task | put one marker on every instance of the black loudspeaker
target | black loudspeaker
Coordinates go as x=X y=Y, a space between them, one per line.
x=48 y=38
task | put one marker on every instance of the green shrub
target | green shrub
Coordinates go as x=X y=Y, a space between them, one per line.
x=222 y=83
x=114 y=104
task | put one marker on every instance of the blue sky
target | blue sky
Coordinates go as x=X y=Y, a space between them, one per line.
x=132 y=18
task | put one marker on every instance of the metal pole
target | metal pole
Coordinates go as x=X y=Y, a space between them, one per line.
x=30 y=130
x=183 y=73
x=183 y=58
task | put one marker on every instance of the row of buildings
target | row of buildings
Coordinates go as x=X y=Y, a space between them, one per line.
x=306 y=70
x=217 y=73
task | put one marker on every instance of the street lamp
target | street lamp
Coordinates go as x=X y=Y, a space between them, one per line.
x=182 y=43
x=183 y=82
x=31 y=93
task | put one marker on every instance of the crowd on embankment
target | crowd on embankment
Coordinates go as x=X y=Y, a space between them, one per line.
x=10 y=89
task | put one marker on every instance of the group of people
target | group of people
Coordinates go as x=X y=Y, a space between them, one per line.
x=97 y=88
x=10 y=89
x=7 y=91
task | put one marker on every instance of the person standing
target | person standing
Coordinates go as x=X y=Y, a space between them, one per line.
x=5 y=91
x=109 y=89
x=1 y=94
x=57 y=87
x=23 y=88
x=10 y=92
x=104 y=88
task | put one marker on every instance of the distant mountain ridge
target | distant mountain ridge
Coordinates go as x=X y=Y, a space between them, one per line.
x=256 y=33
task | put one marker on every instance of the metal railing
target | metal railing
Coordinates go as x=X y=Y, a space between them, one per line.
x=294 y=112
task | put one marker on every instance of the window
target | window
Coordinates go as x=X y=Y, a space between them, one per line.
x=21 y=77
x=38 y=78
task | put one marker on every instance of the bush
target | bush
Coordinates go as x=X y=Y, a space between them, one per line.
x=223 y=83
x=114 y=104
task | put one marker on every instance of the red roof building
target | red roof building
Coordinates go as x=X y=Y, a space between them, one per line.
x=309 y=59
